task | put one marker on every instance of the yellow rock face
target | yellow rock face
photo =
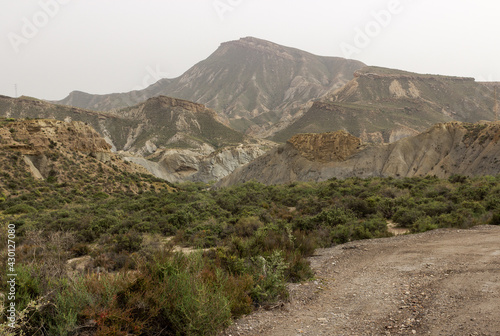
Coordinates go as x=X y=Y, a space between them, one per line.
x=326 y=147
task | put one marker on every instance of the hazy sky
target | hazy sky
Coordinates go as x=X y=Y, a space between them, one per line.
x=51 y=47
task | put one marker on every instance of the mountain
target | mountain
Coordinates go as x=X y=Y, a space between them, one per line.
x=66 y=153
x=443 y=150
x=184 y=141
x=252 y=83
x=385 y=105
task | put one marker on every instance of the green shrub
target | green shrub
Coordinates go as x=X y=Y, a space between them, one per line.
x=128 y=242
x=191 y=295
x=247 y=226
x=424 y=224
x=406 y=217
x=80 y=249
x=19 y=209
x=495 y=218
x=435 y=208
x=269 y=278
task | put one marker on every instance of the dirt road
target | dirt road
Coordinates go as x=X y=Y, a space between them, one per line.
x=443 y=282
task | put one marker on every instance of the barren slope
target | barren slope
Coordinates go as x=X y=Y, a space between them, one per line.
x=443 y=150
x=443 y=282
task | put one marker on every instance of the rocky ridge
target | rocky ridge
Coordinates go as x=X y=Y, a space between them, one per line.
x=384 y=105
x=34 y=137
x=179 y=165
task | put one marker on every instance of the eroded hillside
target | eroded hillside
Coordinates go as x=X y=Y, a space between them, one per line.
x=443 y=150
x=174 y=139
x=384 y=105
x=67 y=153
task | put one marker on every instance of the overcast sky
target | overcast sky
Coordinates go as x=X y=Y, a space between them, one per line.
x=52 y=47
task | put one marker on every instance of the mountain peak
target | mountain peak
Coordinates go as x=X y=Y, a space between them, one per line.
x=262 y=46
x=251 y=41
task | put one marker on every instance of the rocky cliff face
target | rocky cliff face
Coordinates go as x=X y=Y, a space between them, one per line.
x=158 y=122
x=177 y=165
x=164 y=122
x=384 y=105
x=326 y=147
x=443 y=150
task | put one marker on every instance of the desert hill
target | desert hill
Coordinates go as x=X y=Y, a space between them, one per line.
x=174 y=139
x=384 y=105
x=443 y=150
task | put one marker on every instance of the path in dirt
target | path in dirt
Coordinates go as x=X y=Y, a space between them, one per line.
x=442 y=282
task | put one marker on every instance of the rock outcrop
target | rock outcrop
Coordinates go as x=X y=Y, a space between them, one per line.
x=34 y=137
x=185 y=140
x=443 y=150
x=326 y=147
x=179 y=165
x=59 y=151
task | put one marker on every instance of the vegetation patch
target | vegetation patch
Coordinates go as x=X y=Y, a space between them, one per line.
x=101 y=262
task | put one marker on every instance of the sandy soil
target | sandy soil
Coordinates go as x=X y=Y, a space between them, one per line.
x=443 y=282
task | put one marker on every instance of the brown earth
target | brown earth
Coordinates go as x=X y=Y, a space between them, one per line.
x=442 y=282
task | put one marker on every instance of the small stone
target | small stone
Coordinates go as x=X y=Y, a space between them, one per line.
x=413 y=331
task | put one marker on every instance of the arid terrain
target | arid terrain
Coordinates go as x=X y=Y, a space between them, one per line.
x=443 y=282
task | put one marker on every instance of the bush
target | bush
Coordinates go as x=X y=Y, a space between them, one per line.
x=19 y=209
x=495 y=218
x=80 y=249
x=406 y=217
x=247 y=226
x=269 y=277
x=191 y=296
x=424 y=224
x=129 y=242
